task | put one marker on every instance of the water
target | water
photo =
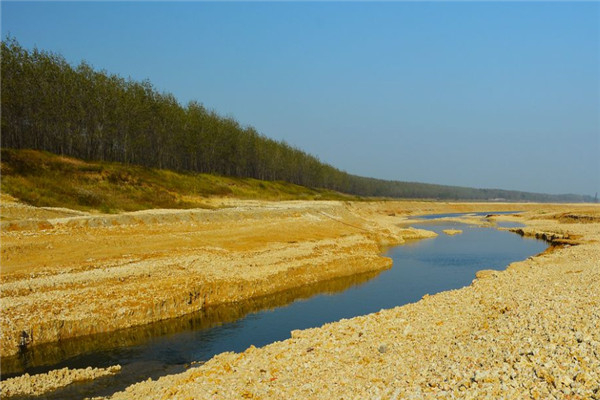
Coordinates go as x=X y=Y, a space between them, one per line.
x=451 y=215
x=420 y=267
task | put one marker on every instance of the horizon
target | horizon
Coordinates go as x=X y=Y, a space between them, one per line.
x=437 y=93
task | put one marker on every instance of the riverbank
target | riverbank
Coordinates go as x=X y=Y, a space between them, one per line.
x=26 y=385
x=67 y=273
x=527 y=332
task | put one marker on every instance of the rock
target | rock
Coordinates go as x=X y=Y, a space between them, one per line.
x=36 y=385
x=452 y=232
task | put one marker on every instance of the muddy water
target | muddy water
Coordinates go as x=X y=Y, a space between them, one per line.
x=421 y=267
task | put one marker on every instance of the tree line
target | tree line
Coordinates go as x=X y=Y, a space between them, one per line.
x=48 y=104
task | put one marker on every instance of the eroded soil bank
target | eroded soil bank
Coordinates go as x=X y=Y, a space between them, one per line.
x=67 y=274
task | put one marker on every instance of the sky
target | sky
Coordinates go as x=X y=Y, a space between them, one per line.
x=479 y=94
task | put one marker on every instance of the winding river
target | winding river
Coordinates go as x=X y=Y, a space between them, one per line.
x=420 y=267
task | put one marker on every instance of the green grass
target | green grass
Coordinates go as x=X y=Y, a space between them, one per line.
x=44 y=179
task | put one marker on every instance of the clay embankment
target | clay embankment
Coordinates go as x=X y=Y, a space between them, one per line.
x=71 y=274
x=528 y=332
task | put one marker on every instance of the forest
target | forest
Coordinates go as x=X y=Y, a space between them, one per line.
x=48 y=104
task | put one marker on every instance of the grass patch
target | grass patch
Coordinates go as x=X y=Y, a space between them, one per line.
x=47 y=180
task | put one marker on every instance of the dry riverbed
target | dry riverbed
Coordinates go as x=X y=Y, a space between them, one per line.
x=528 y=332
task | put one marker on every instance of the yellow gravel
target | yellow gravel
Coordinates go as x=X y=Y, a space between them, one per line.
x=35 y=385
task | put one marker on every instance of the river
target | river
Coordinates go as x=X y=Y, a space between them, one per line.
x=420 y=267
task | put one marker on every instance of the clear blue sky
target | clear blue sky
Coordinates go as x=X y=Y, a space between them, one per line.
x=502 y=95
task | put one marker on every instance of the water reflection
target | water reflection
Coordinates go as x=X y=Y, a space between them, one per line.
x=54 y=354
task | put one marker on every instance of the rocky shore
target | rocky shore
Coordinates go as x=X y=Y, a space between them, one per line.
x=35 y=385
x=529 y=332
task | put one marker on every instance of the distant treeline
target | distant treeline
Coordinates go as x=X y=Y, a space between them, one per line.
x=47 y=104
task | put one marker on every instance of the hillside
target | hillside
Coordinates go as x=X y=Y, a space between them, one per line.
x=49 y=105
x=47 y=180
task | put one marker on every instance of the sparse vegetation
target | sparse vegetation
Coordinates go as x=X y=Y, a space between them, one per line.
x=44 y=179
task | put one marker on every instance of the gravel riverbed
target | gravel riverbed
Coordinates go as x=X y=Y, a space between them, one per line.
x=528 y=332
